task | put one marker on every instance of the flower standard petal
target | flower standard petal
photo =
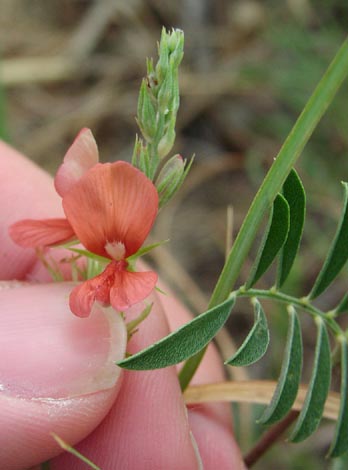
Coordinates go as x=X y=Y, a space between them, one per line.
x=112 y=202
x=129 y=288
x=31 y=233
x=80 y=157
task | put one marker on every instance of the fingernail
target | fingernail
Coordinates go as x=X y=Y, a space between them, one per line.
x=47 y=352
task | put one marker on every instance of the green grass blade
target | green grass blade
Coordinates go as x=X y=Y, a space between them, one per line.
x=255 y=344
x=274 y=239
x=281 y=167
x=74 y=452
x=338 y=253
x=290 y=374
x=182 y=343
x=340 y=441
x=294 y=193
x=318 y=389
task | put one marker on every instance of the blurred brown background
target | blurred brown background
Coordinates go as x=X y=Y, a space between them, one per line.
x=248 y=70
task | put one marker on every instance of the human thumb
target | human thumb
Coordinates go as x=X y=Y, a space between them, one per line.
x=57 y=371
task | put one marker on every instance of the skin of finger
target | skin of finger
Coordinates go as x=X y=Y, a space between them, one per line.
x=45 y=377
x=211 y=423
x=39 y=200
x=29 y=193
x=147 y=427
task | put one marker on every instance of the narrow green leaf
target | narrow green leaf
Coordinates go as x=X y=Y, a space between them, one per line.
x=256 y=343
x=290 y=374
x=340 y=441
x=318 y=388
x=294 y=193
x=273 y=240
x=342 y=306
x=182 y=343
x=338 y=253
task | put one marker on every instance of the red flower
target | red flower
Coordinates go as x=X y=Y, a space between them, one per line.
x=110 y=208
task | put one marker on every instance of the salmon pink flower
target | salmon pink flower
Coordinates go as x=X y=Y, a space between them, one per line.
x=110 y=208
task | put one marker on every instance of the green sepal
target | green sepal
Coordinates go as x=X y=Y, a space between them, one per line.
x=256 y=343
x=337 y=255
x=340 y=441
x=183 y=343
x=318 y=388
x=88 y=254
x=290 y=374
x=294 y=193
x=273 y=240
x=143 y=251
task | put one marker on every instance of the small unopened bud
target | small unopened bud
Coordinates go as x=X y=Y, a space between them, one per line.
x=166 y=143
x=170 y=178
x=146 y=113
x=140 y=157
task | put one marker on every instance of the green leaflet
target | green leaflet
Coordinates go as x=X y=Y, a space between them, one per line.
x=341 y=463
x=342 y=306
x=182 y=343
x=295 y=195
x=318 y=388
x=338 y=253
x=290 y=374
x=273 y=240
x=256 y=343
x=340 y=441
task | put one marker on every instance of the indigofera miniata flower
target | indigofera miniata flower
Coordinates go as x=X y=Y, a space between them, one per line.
x=110 y=209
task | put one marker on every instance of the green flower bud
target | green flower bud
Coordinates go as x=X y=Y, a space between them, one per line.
x=140 y=157
x=166 y=143
x=165 y=94
x=146 y=113
x=170 y=178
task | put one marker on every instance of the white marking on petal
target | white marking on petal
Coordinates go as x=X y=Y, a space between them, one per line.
x=116 y=250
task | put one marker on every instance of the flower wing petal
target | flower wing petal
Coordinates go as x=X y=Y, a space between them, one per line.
x=34 y=233
x=82 y=298
x=80 y=157
x=112 y=202
x=96 y=289
x=130 y=288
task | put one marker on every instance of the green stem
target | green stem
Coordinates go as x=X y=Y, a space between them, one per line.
x=302 y=303
x=274 y=180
